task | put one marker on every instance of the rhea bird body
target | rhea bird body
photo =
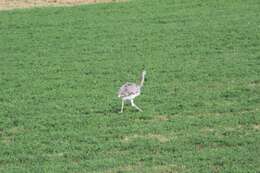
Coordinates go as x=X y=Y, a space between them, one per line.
x=129 y=91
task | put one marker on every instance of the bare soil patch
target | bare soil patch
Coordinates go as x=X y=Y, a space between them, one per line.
x=13 y=4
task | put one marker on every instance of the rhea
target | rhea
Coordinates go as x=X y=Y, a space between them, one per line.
x=129 y=91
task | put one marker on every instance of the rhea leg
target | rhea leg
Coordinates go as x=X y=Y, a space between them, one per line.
x=133 y=104
x=122 y=107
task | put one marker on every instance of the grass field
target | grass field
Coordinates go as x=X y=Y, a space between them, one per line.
x=60 y=69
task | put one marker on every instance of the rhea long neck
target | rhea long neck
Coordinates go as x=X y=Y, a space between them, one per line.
x=142 y=80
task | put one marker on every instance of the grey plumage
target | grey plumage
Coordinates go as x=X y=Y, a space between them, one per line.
x=129 y=91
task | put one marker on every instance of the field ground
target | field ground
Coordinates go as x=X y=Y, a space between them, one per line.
x=60 y=69
x=14 y=4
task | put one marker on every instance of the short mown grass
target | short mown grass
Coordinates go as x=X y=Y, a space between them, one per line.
x=60 y=69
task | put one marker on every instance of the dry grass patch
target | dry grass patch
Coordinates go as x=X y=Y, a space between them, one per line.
x=55 y=155
x=158 y=137
x=7 y=140
x=255 y=83
x=227 y=129
x=9 y=135
x=238 y=112
x=207 y=130
x=154 y=169
x=16 y=130
x=256 y=126
x=13 y=4
x=126 y=168
x=162 y=118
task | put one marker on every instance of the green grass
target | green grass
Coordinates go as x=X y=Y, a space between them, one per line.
x=60 y=69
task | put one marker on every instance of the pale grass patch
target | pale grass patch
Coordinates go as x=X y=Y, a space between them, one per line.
x=7 y=140
x=216 y=169
x=155 y=118
x=256 y=126
x=235 y=128
x=9 y=135
x=55 y=155
x=154 y=169
x=207 y=130
x=228 y=129
x=254 y=84
x=16 y=130
x=158 y=137
x=125 y=168
x=167 y=168
x=116 y=152
x=239 y=112
x=162 y=118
